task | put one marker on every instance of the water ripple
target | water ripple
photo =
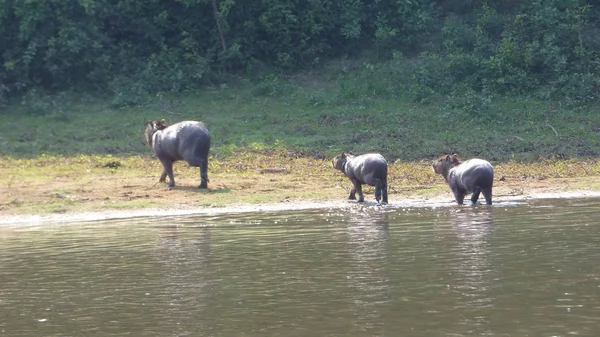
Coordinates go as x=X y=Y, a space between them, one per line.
x=525 y=268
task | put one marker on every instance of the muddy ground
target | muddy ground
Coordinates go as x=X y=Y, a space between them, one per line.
x=74 y=190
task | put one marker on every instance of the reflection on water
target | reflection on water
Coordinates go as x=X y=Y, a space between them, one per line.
x=471 y=231
x=527 y=269
x=182 y=260
x=367 y=236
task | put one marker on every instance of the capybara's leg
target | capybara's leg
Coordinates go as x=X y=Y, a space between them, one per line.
x=378 y=191
x=169 y=170
x=163 y=176
x=361 y=197
x=459 y=197
x=487 y=194
x=352 y=194
x=475 y=195
x=204 y=174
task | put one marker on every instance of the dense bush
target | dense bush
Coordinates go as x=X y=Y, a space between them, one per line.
x=133 y=48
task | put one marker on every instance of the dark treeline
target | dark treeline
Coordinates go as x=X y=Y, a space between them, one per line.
x=129 y=47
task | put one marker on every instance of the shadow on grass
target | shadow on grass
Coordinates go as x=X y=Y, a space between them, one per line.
x=221 y=190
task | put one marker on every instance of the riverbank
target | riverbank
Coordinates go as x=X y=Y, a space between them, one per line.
x=103 y=187
x=179 y=210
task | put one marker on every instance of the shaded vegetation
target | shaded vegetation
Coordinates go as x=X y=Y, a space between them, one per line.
x=513 y=80
x=134 y=49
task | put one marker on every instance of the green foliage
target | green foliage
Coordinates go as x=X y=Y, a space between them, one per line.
x=270 y=85
x=542 y=48
x=134 y=50
x=163 y=72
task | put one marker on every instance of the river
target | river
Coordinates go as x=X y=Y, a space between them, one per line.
x=521 y=268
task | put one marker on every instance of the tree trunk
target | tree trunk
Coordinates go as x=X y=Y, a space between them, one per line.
x=218 y=19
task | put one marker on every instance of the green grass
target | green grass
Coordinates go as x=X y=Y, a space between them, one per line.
x=320 y=115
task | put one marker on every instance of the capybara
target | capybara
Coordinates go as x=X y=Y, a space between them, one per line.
x=370 y=169
x=474 y=175
x=188 y=140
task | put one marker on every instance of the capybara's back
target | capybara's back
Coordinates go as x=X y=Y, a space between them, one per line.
x=193 y=141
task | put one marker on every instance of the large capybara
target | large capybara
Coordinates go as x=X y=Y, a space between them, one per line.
x=370 y=169
x=474 y=175
x=189 y=141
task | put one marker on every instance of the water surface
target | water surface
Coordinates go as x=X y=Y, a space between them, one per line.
x=515 y=269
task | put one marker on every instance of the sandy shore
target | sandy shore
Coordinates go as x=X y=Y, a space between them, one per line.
x=84 y=189
x=295 y=205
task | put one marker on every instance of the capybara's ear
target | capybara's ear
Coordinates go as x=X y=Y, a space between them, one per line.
x=448 y=158
x=455 y=158
x=160 y=124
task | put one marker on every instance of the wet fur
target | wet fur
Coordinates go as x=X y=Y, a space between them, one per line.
x=472 y=176
x=188 y=140
x=370 y=169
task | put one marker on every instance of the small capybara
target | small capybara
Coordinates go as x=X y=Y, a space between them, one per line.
x=188 y=140
x=370 y=169
x=474 y=175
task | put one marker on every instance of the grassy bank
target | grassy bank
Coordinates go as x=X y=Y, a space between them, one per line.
x=273 y=140
x=319 y=114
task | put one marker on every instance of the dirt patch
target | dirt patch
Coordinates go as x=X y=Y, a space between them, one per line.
x=71 y=189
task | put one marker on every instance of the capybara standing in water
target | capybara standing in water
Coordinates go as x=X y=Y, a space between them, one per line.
x=474 y=175
x=189 y=141
x=370 y=169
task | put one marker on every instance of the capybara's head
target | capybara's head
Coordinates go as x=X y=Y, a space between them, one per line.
x=443 y=165
x=339 y=161
x=152 y=127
